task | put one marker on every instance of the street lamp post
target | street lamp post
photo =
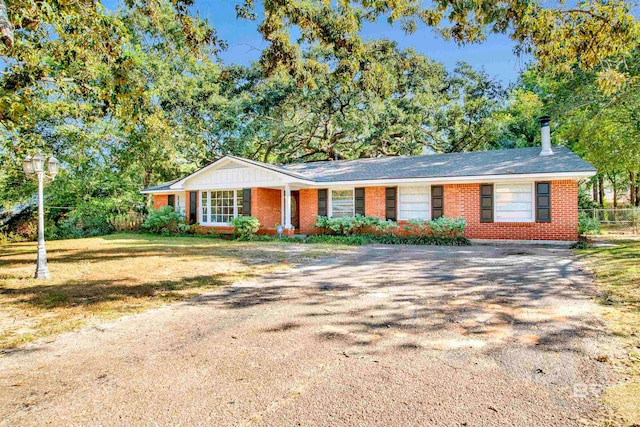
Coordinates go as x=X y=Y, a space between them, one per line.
x=36 y=165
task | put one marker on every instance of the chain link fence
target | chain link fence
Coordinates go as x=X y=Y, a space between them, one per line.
x=616 y=220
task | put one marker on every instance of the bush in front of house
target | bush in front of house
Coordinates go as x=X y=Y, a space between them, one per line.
x=439 y=227
x=442 y=227
x=352 y=225
x=245 y=226
x=165 y=221
x=588 y=224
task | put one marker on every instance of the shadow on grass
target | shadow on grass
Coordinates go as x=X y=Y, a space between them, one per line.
x=91 y=292
x=134 y=245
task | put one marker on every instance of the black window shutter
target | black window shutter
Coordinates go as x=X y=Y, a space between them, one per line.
x=437 y=201
x=486 y=202
x=359 y=200
x=391 y=203
x=193 y=207
x=246 y=201
x=171 y=200
x=322 y=202
x=543 y=202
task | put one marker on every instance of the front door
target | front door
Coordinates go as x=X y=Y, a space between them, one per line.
x=295 y=212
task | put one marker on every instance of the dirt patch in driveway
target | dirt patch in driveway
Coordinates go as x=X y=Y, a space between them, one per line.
x=382 y=335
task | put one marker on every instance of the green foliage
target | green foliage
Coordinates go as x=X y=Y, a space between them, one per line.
x=389 y=239
x=587 y=224
x=245 y=226
x=130 y=221
x=560 y=36
x=165 y=221
x=7 y=236
x=419 y=105
x=585 y=201
x=347 y=226
x=270 y=238
x=359 y=225
x=440 y=227
x=580 y=244
x=338 y=240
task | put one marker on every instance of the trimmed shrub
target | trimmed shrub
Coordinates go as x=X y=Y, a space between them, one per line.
x=165 y=221
x=351 y=226
x=440 y=227
x=245 y=226
x=587 y=224
x=368 y=225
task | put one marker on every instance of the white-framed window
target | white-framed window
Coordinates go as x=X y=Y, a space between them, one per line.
x=414 y=202
x=220 y=206
x=342 y=203
x=514 y=202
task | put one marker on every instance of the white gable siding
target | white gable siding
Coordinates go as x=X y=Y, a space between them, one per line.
x=233 y=176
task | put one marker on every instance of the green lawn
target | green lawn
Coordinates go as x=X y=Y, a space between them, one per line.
x=617 y=271
x=106 y=277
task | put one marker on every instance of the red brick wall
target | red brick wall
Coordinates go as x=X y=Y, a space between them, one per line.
x=374 y=202
x=463 y=200
x=266 y=205
x=309 y=210
x=160 y=200
x=460 y=200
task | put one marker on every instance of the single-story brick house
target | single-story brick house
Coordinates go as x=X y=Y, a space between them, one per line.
x=522 y=193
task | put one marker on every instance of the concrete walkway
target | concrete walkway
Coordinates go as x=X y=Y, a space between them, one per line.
x=382 y=335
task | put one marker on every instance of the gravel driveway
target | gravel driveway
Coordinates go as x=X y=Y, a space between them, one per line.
x=381 y=335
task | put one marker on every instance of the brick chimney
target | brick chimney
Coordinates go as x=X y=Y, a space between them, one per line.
x=546 y=136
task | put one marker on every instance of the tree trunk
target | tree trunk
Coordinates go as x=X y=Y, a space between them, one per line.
x=601 y=191
x=6 y=29
x=594 y=188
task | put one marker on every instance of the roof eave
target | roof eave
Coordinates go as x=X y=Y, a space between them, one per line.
x=465 y=179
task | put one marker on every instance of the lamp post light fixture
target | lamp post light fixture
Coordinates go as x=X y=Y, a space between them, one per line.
x=36 y=165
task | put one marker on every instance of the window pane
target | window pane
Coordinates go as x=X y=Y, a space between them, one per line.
x=342 y=203
x=514 y=202
x=204 y=206
x=415 y=202
x=222 y=205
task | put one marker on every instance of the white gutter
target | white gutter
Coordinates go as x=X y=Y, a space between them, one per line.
x=395 y=181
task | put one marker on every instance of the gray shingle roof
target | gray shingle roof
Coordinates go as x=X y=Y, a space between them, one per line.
x=162 y=186
x=497 y=162
x=478 y=163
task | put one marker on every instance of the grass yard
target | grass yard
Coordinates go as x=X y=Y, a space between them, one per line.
x=617 y=271
x=107 y=277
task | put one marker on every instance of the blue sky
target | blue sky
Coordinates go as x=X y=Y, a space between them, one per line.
x=245 y=43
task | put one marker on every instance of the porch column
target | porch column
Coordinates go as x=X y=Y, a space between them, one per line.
x=287 y=207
